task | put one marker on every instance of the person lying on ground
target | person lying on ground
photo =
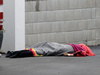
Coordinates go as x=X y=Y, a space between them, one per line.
x=52 y=49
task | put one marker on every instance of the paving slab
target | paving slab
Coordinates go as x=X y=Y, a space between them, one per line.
x=52 y=65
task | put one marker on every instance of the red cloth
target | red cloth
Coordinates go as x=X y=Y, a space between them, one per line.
x=1 y=21
x=1 y=27
x=87 y=49
x=79 y=51
x=1 y=15
x=1 y=2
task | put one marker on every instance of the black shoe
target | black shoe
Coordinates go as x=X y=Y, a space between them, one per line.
x=9 y=54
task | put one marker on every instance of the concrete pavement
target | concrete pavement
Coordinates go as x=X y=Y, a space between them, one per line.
x=52 y=65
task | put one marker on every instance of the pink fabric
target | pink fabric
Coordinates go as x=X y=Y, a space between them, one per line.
x=87 y=49
x=32 y=52
x=79 y=51
x=77 y=47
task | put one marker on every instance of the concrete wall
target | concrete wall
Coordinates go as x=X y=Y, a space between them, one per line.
x=63 y=21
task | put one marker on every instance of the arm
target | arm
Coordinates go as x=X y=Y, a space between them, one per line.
x=67 y=54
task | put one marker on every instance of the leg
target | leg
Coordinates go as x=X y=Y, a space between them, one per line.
x=26 y=54
x=21 y=53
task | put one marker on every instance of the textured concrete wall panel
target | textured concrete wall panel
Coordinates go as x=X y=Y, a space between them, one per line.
x=63 y=21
